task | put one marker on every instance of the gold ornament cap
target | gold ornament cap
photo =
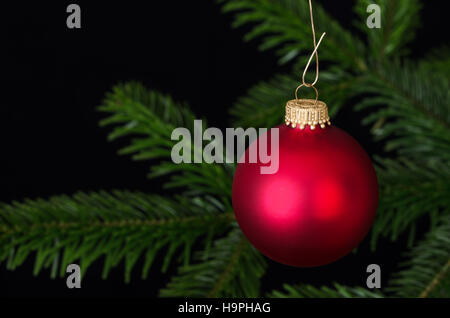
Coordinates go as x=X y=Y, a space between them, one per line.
x=306 y=112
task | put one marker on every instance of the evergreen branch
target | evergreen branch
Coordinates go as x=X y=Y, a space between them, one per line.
x=339 y=291
x=399 y=19
x=408 y=192
x=438 y=279
x=285 y=25
x=264 y=104
x=147 y=115
x=437 y=62
x=150 y=117
x=414 y=110
x=227 y=273
x=233 y=268
x=426 y=272
x=120 y=226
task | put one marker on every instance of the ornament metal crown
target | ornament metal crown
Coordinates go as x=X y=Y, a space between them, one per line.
x=306 y=112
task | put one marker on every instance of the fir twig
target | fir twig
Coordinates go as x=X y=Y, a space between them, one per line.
x=426 y=271
x=232 y=269
x=121 y=225
x=148 y=118
x=337 y=291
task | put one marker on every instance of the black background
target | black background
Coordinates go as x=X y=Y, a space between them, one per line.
x=52 y=78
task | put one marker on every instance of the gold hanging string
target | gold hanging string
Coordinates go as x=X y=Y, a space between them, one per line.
x=302 y=113
x=317 y=64
x=314 y=53
x=306 y=69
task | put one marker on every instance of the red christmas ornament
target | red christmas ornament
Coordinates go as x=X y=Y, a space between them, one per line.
x=320 y=203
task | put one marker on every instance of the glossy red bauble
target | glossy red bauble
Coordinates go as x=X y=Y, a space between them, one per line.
x=317 y=207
